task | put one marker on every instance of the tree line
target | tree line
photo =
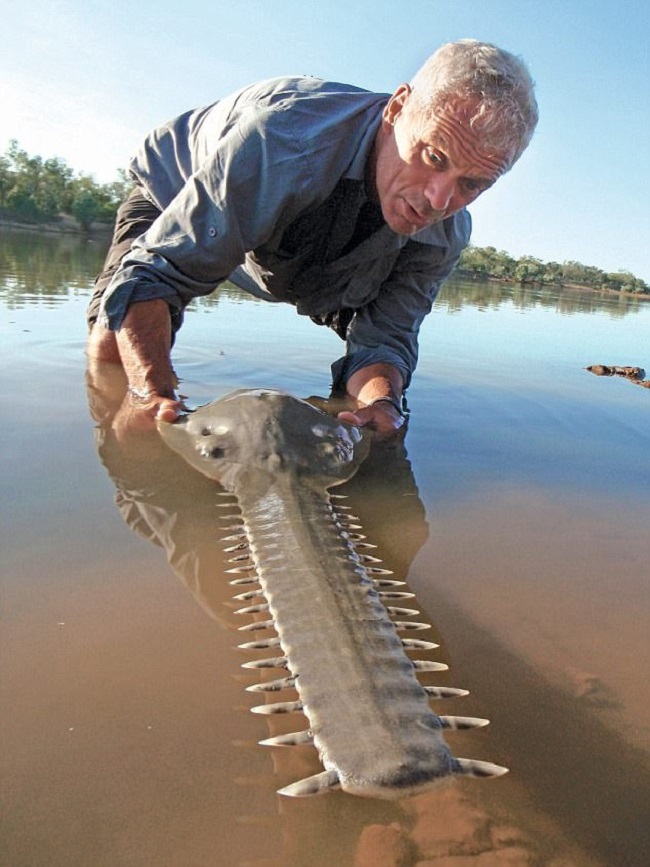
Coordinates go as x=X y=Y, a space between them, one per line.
x=37 y=190
x=490 y=263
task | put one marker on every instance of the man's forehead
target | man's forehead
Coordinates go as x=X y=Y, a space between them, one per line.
x=453 y=130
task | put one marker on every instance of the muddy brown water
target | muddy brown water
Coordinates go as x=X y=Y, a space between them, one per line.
x=517 y=511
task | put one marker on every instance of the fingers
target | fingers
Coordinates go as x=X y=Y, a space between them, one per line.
x=350 y=418
x=382 y=418
x=137 y=417
x=169 y=410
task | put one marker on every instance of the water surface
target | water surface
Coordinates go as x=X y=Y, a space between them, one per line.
x=517 y=512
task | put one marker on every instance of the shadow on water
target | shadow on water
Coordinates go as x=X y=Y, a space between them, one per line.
x=576 y=770
x=581 y=777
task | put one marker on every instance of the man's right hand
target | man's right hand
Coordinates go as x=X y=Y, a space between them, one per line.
x=136 y=415
x=142 y=347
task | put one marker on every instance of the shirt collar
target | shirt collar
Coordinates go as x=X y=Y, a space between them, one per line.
x=357 y=169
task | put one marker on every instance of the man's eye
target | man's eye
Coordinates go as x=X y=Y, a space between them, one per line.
x=473 y=187
x=432 y=157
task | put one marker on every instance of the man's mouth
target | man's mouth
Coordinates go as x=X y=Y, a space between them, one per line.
x=422 y=218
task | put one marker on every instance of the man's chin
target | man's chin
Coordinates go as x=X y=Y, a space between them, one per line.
x=404 y=227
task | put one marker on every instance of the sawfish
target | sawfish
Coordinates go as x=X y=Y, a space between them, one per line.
x=332 y=607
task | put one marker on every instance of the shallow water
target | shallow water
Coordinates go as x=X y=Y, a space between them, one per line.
x=518 y=514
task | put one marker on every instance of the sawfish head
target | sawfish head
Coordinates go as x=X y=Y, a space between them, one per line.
x=266 y=431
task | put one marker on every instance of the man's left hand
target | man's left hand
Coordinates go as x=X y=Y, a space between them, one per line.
x=381 y=417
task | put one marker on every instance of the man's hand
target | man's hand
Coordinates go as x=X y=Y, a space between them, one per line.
x=114 y=404
x=142 y=348
x=136 y=415
x=156 y=407
x=377 y=392
x=383 y=417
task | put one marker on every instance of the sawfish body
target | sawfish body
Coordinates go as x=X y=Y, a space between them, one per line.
x=369 y=716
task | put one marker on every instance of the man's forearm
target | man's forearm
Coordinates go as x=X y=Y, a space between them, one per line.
x=144 y=342
x=378 y=391
x=375 y=381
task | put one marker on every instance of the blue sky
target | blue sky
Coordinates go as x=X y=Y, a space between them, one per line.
x=86 y=80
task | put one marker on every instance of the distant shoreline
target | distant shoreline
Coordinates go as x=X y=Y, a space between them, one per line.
x=65 y=226
x=572 y=287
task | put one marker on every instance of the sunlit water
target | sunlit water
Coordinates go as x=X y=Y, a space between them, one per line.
x=518 y=516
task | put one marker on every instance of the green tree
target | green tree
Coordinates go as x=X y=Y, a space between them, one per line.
x=86 y=208
x=6 y=179
x=529 y=270
x=34 y=189
x=54 y=195
x=21 y=203
x=552 y=273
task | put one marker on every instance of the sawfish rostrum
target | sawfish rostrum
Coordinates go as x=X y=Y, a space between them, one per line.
x=369 y=716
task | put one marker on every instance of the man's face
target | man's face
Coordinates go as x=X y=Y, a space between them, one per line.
x=425 y=172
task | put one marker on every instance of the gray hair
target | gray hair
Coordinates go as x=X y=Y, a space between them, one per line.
x=506 y=112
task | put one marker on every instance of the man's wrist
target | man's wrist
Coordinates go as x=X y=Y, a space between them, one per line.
x=139 y=395
x=393 y=401
x=147 y=395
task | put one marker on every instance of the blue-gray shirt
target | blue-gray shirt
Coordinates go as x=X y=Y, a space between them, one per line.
x=267 y=187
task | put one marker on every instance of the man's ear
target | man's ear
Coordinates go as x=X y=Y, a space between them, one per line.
x=395 y=104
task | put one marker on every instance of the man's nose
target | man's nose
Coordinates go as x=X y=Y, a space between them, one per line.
x=439 y=191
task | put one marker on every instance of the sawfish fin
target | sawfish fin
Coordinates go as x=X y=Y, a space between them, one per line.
x=316 y=785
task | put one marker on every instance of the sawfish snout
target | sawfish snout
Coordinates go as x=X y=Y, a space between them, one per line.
x=267 y=431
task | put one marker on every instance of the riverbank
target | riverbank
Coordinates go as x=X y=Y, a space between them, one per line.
x=464 y=274
x=65 y=225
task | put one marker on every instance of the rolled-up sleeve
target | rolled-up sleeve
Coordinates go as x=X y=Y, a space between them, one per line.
x=386 y=329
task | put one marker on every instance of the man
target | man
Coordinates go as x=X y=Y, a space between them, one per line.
x=348 y=204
